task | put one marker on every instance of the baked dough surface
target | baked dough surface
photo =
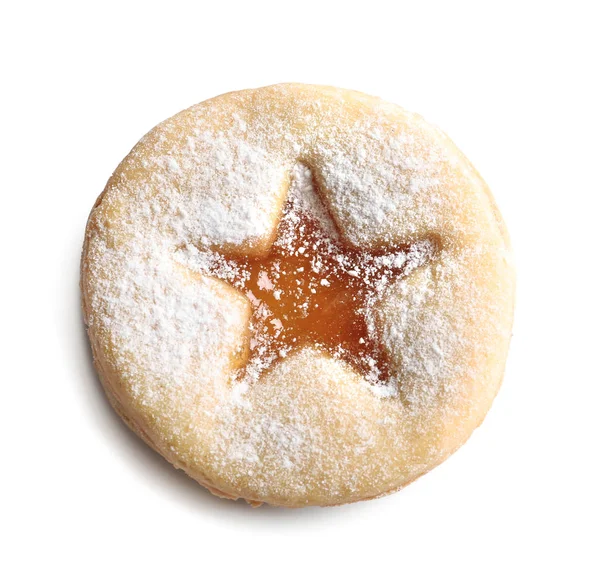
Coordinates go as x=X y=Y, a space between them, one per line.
x=310 y=430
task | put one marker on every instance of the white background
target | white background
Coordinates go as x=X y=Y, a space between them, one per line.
x=514 y=84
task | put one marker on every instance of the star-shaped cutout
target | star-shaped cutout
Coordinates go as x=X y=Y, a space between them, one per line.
x=312 y=288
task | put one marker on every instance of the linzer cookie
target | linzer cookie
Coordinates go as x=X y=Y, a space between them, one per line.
x=299 y=295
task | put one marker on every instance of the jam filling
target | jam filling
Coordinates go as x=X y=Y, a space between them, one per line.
x=313 y=289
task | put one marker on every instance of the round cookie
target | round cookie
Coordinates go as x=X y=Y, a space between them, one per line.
x=253 y=380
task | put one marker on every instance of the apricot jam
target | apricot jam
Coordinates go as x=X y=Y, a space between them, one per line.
x=313 y=289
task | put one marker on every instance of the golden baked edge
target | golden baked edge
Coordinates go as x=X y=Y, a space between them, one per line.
x=108 y=379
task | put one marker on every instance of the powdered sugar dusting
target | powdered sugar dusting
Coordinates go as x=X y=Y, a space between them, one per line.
x=170 y=308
